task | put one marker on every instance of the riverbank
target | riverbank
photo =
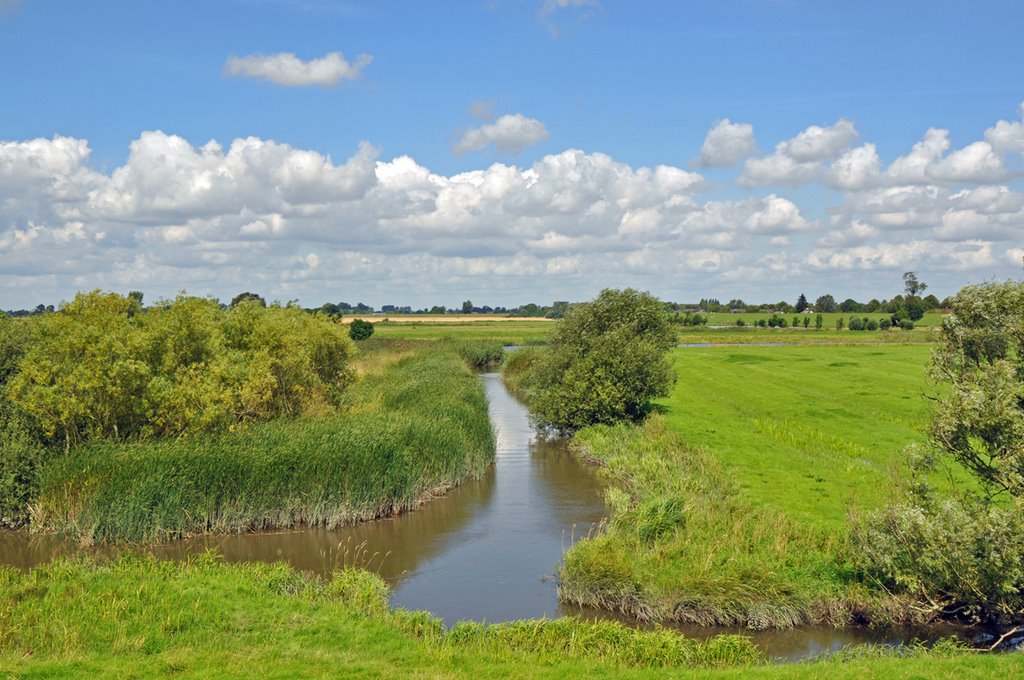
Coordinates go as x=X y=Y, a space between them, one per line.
x=409 y=430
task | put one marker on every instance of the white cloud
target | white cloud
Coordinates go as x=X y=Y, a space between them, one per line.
x=798 y=160
x=818 y=143
x=1006 y=137
x=855 y=170
x=976 y=162
x=288 y=70
x=510 y=133
x=294 y=223
x=727 y=144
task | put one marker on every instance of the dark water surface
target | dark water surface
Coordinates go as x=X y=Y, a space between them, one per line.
x=485 y=551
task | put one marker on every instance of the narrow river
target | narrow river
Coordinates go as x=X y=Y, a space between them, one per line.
x=485 y=551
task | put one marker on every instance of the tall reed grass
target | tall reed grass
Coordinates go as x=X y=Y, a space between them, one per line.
x=418 y=426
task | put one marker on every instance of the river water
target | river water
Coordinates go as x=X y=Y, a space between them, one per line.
x=485 y=551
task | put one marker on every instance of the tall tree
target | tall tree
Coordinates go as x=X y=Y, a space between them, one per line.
x=912 y=285
x=825 y=303
x=801 y=303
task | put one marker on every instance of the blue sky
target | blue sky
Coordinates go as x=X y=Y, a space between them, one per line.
x=496 y=87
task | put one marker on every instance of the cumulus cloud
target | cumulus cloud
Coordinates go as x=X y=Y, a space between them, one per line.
x=726 y=144
x=284 y=68
x=510 y=133
x=1006 y=137
x=295 y=223
x=798 y=160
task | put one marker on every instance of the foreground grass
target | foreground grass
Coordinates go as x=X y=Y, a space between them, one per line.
x=418 y=425
x=203 y=619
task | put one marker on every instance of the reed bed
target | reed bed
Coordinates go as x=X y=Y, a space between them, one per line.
x=417 y=427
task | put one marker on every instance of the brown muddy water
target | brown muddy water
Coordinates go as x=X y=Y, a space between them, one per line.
x=486 y=551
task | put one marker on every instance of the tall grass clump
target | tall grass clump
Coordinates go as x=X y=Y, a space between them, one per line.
x=682 y=546
x=517 y=372
x=417 y=427
x=480 y=354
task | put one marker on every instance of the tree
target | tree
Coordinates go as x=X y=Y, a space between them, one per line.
x=819 y=321
x=605 y=361
x=247 y=297
x=963 y=553
x=359 y=329
x=801 y=303
x=467 y=307
x=850 y=305
x=826 y=303
x=979 y=421
x=911 y=285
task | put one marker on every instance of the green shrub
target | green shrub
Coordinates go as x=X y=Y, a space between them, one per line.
x=605 y=360
x=957 y=556
x=885 y=324
x=871 y=325
x=360 y=329
x=101 y=367
x=907 y=325
x=21 y=453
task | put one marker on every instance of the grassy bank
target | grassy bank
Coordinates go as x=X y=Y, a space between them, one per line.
x=417 y=425
x=684 y=546
x=203 y=619
x=732 y=505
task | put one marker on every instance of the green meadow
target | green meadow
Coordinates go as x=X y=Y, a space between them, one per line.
x=807 y=430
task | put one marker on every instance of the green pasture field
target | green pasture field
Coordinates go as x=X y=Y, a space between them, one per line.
x=733 y=504
x=204 y=619
x=811 y=431
x=930 y=319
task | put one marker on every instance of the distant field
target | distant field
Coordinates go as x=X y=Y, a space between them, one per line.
x=801 y=336
x=445 y=318
x=930 y=320
x=514 y=331
x=806 y=430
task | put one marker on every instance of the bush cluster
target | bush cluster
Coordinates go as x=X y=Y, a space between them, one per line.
x=103 y=367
